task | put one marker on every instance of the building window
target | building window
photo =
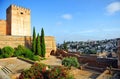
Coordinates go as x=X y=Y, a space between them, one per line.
x=21 y=12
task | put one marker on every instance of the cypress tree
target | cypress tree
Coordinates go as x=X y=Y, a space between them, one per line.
x=34 y=41
x=43 y=48
x=38 y=51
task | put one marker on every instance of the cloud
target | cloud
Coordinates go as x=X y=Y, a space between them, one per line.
x=59 y=23
x=88 y=31
x=67 y=16
x=113 y=8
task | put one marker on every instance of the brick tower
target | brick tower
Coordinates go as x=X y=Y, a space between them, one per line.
x=18 y=21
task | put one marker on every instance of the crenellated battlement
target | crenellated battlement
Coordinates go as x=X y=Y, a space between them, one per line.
x=20 y=17
x=19 y=8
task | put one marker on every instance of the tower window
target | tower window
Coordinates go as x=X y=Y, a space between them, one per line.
x=21 y=12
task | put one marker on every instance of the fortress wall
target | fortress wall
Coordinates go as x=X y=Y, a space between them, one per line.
x=2 y=27
x=14 y=41
x=16 y=29
x=92 y=60
x=50 y=45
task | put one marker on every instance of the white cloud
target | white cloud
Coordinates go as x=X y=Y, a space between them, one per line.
x=113 y=8
x=67 y=16
x=88 y=31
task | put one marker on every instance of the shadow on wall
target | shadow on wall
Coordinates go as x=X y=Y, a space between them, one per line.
x=52 y=52
x=28 y=41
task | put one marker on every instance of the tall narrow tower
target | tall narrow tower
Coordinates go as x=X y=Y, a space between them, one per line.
x=18 y=21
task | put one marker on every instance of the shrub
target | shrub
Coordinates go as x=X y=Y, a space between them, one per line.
x=59 y=73
x=1 y=53
x=28 y=53
x=7 y=52
x=70 y=61
x=39 y=71
x=31 y=74
x=36 y=58
x=35 y=72
x=24 y=52
x=19 y=50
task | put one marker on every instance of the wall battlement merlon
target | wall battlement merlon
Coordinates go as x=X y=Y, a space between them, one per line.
x=19 y=7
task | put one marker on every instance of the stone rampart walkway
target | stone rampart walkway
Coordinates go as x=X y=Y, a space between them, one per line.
x=3 y=75
x=11 y=66
x=52 y=60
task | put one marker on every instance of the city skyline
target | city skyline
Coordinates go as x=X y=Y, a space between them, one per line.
x=72 y=20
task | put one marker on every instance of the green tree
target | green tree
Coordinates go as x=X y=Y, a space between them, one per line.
x=38 y=51
x=43 y=51
x=65 y=46
x=34 y=41
x=70 y=61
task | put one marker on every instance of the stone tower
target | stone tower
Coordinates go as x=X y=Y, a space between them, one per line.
x=18 y=21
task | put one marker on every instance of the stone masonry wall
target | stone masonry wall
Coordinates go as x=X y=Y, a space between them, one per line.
x=14 y=41
x=2 y=27
x=18 y=21
x=92 y=60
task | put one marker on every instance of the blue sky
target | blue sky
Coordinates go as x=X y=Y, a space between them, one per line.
x=77 y=20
